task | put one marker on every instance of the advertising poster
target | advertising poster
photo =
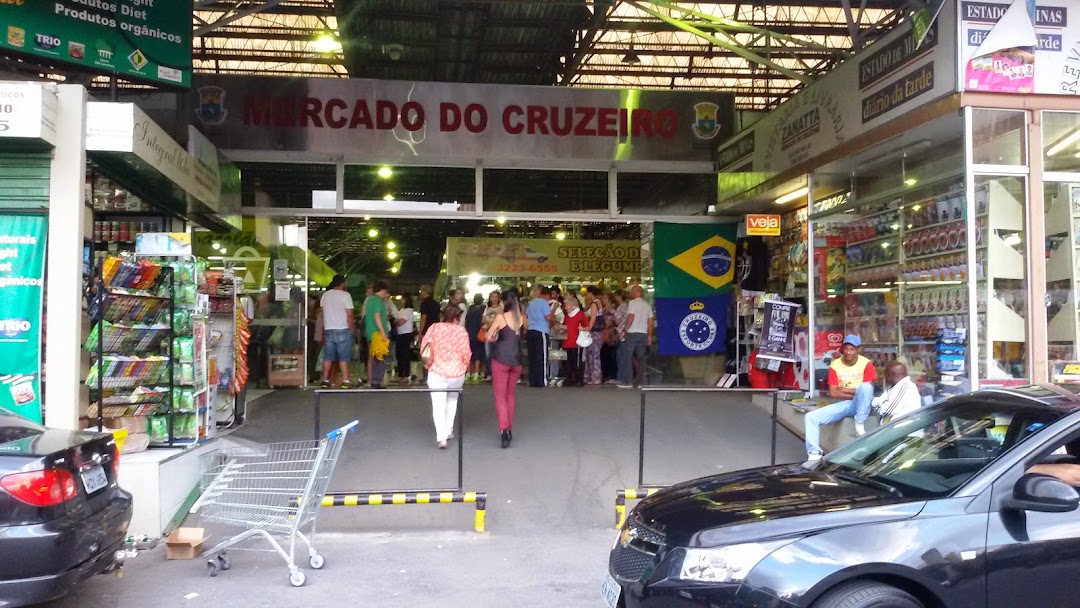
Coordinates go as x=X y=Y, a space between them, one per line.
x=22 y=272
x=1020 y=47
x=694 y=266
x=546 y=257
x=778 y=333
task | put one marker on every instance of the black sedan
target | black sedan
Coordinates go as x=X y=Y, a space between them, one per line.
x=958 y=505
x=62 y=515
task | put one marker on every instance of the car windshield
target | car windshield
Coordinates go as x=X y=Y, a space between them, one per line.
x=932 y=452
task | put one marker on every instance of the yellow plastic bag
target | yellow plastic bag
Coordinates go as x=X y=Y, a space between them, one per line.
x=380 y=346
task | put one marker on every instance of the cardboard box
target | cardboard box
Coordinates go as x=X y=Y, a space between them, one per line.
x=184 y=543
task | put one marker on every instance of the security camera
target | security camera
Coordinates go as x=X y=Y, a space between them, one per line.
x=393 y=51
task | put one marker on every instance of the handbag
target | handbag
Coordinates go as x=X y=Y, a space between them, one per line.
x=584 y=339
x=427 y=354
x=481 y=336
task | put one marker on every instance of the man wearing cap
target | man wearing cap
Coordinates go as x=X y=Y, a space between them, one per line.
x=851 y=378
x=338 y=328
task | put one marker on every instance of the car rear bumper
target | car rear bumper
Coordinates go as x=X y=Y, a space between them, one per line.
x=668 y=595
x=59 y=554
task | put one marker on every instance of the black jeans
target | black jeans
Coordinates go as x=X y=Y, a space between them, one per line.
x=404 y=355
x=573 y=366
x=537 y=345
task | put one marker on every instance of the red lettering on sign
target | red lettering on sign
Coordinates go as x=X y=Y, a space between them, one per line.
x=257 y=111
x=449 y=117
x=361 y=116
x=641 y=123
x=667 y=124
x=624 y=122
x=310 y=112
x=334 y=109
x=566 y=126
x=283 y=112
x=537 y=120
x=513 y=128
x=476 y=118
x=412 y=116
x=386 y=114
x=606 y=122
x=585 y=116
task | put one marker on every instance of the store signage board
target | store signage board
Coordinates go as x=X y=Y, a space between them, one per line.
x=123 y=127
x=163 y=243
x=524 y=257
x=778 y=331
x=1004 y=48
x=28 y=111
x=891 y=77
x=139 y=40
x=758 y=224
x=458 y=123
x=22 y=282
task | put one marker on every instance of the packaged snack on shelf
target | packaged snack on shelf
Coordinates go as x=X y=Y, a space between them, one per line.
x=183 y=399
x=184 y=348
x=158 y=427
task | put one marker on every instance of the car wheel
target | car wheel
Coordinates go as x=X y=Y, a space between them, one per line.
x=866 y=594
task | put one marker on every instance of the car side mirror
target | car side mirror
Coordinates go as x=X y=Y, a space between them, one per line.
x=1042 y=493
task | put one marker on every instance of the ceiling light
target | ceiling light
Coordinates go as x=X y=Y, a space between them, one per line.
x=388 y=198
x=392 y=255
x=911 y=181
x=1013 y=239
x=216 y=245
x=327 y=43
x=1063 y=143
x=500 y=220
x=391 y=245
x=386 y=172
x=631 y=58
x=395 y=269
x=790 y=196
x=223 y=251
x=560 y=235
x=367 y=217
x=373 y=233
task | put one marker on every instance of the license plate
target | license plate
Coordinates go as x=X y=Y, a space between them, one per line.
x=94 y=479
x=611 y=591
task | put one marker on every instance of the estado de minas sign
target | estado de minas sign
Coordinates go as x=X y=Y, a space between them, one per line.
x=438 y=120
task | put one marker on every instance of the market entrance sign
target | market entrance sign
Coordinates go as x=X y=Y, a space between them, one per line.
x=142 y=40
x=530 y=257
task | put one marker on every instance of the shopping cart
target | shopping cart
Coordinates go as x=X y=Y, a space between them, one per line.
x=271 y=489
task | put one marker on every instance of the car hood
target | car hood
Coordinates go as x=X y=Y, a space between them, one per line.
x=765 y=503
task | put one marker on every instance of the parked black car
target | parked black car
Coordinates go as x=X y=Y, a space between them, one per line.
x=62 y=515
x=939 y=509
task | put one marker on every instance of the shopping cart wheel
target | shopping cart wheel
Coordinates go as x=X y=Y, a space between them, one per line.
x=212 y=567
x=317 y=561
x=297 y=578
x=224 y=562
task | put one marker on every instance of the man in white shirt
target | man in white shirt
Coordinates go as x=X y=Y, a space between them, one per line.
x=636 y=338
x=338 y=328
x=901 y=398
x=457 y=298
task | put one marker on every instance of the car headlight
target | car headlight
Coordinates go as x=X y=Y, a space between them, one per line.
x=728 y=564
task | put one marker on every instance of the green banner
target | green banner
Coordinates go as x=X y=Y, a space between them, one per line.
x=147 y=40
x=22 y=271
x=693 y=260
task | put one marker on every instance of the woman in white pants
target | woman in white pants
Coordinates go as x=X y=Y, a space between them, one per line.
x=450 y=356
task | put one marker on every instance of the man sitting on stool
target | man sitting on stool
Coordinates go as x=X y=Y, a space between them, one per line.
x=851 y=377
x=902 y=395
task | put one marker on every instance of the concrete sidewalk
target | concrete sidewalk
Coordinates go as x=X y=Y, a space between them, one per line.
x=550 y=507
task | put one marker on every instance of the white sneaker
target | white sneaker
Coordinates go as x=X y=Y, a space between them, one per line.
x=860 y=429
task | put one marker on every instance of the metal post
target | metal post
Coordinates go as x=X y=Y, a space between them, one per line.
x=641 y=445
x=772 y=448
x=318 y=411
x=460 y=442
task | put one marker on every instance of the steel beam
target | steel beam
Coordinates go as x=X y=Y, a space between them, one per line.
x=235 y=15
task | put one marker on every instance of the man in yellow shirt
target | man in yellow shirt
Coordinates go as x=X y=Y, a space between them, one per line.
x=851 y=378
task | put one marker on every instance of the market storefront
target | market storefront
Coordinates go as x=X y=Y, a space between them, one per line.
x=939 y=210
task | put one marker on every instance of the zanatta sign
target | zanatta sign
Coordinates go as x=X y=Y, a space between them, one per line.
x=439 y=122
x=762 y=225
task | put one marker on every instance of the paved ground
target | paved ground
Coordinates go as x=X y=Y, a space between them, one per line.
x=550 y=509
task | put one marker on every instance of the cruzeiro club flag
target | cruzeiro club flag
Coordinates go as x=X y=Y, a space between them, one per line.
x=695 y=273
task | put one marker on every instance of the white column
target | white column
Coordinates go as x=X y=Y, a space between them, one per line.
x=63 y=305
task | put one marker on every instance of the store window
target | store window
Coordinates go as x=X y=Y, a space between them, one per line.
x=286 y=185
x=397 y=189
x=998 y=137
x=666 y=193
x=1061 y=141
x=889 y=259
x=1061 y=203
x=538 y=191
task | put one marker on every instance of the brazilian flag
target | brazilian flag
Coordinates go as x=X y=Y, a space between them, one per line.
x=694 y=267
x=693 y=260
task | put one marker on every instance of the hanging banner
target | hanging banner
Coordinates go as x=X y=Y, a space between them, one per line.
x=778 y=331
x=22 y=271
x=523 y=257
x=692 y=326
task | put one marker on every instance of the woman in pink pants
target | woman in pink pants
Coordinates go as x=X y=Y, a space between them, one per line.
x=505 y=332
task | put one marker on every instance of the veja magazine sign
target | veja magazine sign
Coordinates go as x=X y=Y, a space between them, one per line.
x=521 y=257
x=147 y=40
x=759 y=224
x=22 y=271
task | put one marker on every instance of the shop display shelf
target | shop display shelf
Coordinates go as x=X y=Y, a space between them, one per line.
x=936 y=254
x=946 y=313
x=937 y=226
x=874 y=265
x=882 y=237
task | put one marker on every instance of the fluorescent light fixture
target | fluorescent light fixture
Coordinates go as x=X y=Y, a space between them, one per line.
x=500 y=220
x=388 y=198
x=374 y=232
x=327 y=43
x=560 y=235
x=871 y=290
x=932 y=283
x=790 y=196
x=1064 y=142
x=911 y=181
x=386 y=172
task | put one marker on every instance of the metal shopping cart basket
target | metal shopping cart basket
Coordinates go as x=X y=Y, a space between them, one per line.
x=272 y=490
